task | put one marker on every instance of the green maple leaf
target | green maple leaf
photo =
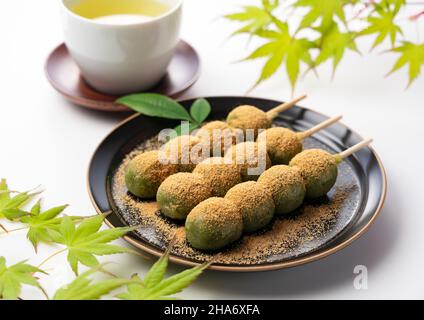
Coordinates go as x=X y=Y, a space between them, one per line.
x=270 y=4
x=85 y=242
x=12 y=278
x=11 y=207
x=383 y=25
x=411 y=54
x=333 y=45
x=156 y=287
x=83 y=288
x=326 y=11
x=394 y=5
x=41 y=223
x=281 y=46
x=254 y=18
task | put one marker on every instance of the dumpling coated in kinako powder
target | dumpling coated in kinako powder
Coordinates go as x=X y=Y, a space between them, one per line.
x=214 y=224
x=145 y=173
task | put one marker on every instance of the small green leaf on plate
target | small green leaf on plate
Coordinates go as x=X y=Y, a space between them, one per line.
x=180 y=131
x=155 y=105
x=200 y=110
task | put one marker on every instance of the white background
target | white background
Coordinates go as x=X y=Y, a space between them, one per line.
x=46 y=140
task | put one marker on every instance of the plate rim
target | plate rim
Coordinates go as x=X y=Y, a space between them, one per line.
x=314 y=256
x=105 y=106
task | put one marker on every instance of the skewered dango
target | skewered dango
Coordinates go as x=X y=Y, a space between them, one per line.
x=283 y=144
x=319 y=168
x=143 y=181
x=251 y=118
x=221 y=135
x=313 y=171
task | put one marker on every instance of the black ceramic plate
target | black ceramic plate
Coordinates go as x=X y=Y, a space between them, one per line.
x=359 y=192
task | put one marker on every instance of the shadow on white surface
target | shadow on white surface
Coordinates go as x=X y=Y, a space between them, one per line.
x=96 y=115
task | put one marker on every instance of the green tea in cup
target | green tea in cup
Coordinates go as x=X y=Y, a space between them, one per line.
x=120 y=12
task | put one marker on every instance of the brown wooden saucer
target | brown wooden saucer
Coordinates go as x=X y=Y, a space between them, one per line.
x=64 y=75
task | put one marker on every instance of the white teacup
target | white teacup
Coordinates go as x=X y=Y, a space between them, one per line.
x=122 y=58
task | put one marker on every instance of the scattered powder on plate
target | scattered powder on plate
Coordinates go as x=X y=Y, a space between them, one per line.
x=283 y=237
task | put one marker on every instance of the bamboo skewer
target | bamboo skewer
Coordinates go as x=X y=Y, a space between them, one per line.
x=319 y=127
x=343 y=155
x=3 y=228
x=273 y=113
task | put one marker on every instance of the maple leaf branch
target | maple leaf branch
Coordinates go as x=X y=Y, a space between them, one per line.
x=51 y=257
x=15 y=230
x=3 y=228
x=416 y=16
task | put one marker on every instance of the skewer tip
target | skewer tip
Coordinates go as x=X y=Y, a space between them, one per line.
x=319 y=127
x=273 y=113
x=353 y=149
